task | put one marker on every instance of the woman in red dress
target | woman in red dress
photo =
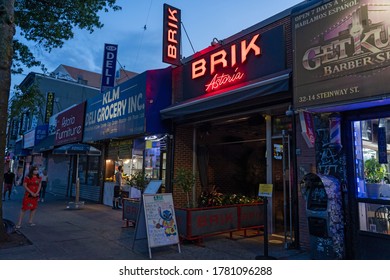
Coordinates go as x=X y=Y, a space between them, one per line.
x=32 y=186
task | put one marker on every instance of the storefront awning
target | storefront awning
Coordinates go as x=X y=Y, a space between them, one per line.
x=45 y=145
x=19 y=151
x=263 y=88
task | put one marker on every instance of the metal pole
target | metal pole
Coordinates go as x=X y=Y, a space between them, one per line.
x=194 y=165
x=284 y=187
x=270 y=219
x=290 y=189
x=265 y=229
x=265 y=247
x=77 y=180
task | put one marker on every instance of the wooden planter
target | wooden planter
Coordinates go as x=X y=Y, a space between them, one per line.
x=196 y=223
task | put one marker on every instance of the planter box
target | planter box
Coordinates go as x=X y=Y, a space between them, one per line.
x=196 y=223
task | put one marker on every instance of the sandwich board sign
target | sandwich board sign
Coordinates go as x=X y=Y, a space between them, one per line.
x=157 y=216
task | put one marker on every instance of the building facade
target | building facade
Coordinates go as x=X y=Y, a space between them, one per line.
x=341 y=67
x=229 y=122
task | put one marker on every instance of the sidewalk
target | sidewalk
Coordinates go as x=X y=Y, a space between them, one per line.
x=96 y=233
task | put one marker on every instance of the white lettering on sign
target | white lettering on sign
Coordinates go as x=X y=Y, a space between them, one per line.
x=109 y=63
x=113 y=107
x=111 y=95
x=135 y=103
x=220 y=58
x=68 y=121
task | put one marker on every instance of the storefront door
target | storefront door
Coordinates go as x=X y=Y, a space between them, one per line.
x=281 y=179
x=279 y=174
x=370 y=185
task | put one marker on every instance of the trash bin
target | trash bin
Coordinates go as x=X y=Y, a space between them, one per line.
x=325 y=217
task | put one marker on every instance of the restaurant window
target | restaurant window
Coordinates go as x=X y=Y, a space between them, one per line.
x=371 y=169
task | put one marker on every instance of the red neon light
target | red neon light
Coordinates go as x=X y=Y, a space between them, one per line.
x=223 y=79
x=227 y=57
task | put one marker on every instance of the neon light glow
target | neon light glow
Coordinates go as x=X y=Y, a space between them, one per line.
x=223 y=79
x=226 y=57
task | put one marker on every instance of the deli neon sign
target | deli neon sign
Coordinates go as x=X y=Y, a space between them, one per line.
x=226 y=59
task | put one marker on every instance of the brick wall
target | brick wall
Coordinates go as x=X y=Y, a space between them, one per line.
x=183 y=157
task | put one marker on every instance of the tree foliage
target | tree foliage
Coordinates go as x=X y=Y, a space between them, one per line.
x=48 y=23
x=29 y=100
x=185 y=180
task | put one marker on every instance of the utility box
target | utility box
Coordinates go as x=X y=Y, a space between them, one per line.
x=325 y=216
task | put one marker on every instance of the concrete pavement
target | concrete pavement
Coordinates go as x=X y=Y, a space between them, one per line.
x=96 y=233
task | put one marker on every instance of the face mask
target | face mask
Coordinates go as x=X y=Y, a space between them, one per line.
x=35 y=172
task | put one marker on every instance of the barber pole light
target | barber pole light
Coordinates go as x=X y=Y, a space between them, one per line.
x=335 y=131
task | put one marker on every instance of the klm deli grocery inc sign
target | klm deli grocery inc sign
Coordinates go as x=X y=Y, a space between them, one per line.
x=118 y=112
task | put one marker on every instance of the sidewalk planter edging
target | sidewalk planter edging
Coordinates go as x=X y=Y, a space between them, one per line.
x=196 y=223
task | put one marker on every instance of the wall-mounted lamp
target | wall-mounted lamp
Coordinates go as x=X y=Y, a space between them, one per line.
x=290 y=111
x=215 y=42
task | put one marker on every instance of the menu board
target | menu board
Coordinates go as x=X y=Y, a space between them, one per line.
x=157 y=216
x=160 y=219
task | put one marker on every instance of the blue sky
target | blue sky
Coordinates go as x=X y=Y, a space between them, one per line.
x=140 y=49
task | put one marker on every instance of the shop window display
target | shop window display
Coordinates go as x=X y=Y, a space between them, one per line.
x=372 y=173
x=146 y=156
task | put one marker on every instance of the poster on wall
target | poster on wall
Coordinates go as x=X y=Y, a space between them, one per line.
x=341 y=52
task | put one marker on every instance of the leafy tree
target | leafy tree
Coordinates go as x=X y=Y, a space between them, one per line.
x=30 y=100
x=185 y=180
x=48 y=23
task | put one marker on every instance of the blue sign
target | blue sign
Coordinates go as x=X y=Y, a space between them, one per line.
x=118 y=112
x=41 y=133
x=109 y=66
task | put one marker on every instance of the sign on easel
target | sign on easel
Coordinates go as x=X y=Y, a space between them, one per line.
x=157 y=215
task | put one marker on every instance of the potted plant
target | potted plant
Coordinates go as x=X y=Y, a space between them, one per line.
x=185 y=180
x=374 y=174
x=138 y=180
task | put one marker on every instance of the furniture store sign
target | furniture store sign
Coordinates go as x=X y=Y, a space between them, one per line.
x=342 y=51
x=118 y=112
x=69 y=125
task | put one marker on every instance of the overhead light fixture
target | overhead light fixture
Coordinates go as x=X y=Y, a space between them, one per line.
x=215 y=42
